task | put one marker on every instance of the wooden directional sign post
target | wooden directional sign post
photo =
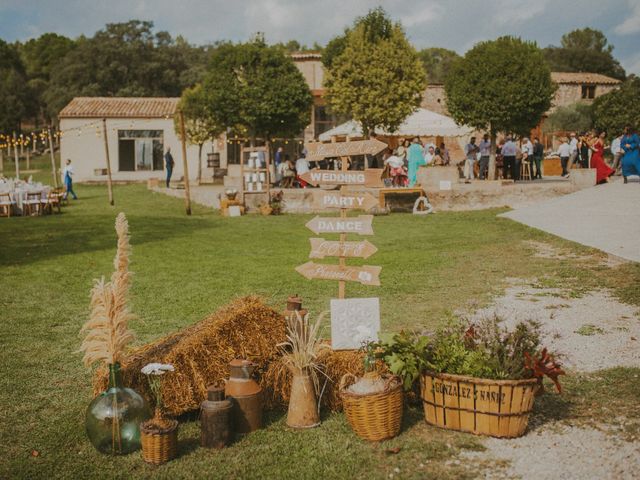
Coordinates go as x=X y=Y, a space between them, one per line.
x=344 y=200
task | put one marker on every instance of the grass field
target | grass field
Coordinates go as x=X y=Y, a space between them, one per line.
x=186 y=267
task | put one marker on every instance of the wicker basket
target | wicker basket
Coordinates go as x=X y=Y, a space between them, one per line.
x=499 y=408
x=159 y=447
x=376 y=416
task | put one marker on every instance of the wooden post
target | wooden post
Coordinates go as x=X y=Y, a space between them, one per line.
x=187 y=191
x=53 y=161
x=28 y=157
x=21 y=145
x=106 y=152
x=15 y=154
x=1 y=160
x=343 y=236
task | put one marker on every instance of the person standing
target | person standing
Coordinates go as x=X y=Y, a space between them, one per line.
x=630 y=144
x=584 y=150
x=485 y=152
x=509 y=150
x=402 y=150
x=302 y=167
x=527 y=153
x=573 y=151
x=470 y=153
x=67 y=175
x=538 y=153
x=603 y=171
x=616 y=151
x=415 y=158
x=564 y=151
x=444 y=153
x=169 y=163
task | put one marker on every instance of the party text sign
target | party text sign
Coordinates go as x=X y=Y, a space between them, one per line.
x=348 y=200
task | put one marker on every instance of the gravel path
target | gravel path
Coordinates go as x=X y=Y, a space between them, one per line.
x=563 y=452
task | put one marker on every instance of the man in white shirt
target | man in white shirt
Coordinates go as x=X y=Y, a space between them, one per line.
x=617 y=153
x=485 y=152
x=67 y=175
x=302 y=167
x=564 y=151
x=573 y=151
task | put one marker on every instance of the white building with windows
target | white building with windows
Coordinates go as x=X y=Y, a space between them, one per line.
x=139 y=132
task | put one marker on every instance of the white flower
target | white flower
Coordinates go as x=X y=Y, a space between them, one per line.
x=157 y=368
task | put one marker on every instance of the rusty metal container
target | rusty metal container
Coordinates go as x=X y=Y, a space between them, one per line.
x=246 y=397
x=215 y=419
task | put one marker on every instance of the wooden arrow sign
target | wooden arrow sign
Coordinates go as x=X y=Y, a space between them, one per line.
x=321 y=248
x=352 y=201
x=369 y=178
x=320 y=151
x=366 y=275
x=360 y=225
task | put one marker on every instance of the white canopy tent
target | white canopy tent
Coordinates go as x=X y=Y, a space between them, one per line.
x=422 y=123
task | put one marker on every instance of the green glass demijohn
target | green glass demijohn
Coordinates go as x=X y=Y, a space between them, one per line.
x=113 y=417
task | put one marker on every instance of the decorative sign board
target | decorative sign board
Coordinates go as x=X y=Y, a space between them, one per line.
x=321 y=248
x=234 y=211
x=361 y=225
x=351 y=201
x=320 y=151
x=354 y=321
x=366 y=275
x=445 y=184
x=368 y=178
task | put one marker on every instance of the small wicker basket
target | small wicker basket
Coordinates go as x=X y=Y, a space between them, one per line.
x=499 y=408
x=376 y=416
x=159 y=446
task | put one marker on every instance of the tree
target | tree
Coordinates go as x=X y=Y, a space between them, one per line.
x=125 y=59
x=437 y=63
x=584 y=50
x=618 y=108
x=40 y=57
x=257 y=88
x=577 y=117
x=199 y=123
x=502 y=85
x=377 y=79
x=14 y=94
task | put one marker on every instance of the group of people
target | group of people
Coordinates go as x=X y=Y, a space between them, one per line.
x=509 y=157
x=288 y=173
x=587 y=151
x=401 y=165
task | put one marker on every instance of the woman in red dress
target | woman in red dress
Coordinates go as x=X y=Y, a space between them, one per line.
x=603 y=171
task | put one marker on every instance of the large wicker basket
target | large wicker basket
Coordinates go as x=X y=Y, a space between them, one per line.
x=375 y=416
x=159 y=447
x=499 y=408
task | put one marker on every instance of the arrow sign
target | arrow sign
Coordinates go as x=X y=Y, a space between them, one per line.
x=334 y=199
x=321 y=248
x=366 y=275
x=320 y=151
x=369 y=178
x=360 y=225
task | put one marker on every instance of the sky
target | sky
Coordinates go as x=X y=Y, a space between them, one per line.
x=453 y=24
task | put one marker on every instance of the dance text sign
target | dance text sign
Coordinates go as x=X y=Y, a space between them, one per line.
x=361 y=225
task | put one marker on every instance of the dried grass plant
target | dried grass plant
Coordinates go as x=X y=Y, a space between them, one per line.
x=303 y=346
x=107 y=330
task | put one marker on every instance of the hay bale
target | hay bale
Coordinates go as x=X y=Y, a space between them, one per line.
x=246 y=328
x=277 y=379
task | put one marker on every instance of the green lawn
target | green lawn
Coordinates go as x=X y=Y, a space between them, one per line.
x=186 y=267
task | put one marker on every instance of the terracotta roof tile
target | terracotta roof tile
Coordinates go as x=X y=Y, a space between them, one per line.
x=120 y=107
x=306 y=56
x=583 y=77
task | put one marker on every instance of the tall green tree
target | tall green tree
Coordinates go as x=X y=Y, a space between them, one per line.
x=14 y=92
x=584 y=50
x=258 y=89
x=502 y=85
x=437 y=63
x=577 y=117
x=618 y=108
x=377 y=79
x=125 y=59
x=41 y=56
x=199 y=122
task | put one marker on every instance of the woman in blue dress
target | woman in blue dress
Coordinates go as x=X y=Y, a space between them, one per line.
x=630 y=145
x=415 y=156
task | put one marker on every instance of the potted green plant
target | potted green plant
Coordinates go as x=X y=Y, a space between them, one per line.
x=480 y=378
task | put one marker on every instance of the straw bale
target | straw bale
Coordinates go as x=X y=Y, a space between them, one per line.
x=246 y=328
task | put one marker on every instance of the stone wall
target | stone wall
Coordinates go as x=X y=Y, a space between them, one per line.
x=434 y=99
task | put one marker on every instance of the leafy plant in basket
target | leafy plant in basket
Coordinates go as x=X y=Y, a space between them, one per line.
x=113 y=417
